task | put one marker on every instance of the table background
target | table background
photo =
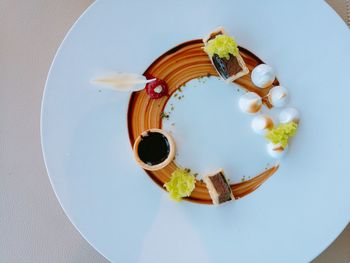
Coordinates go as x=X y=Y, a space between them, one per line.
x=33 y=227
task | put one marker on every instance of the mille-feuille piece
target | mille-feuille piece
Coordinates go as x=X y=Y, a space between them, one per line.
x=218 y=187
x=224 y=55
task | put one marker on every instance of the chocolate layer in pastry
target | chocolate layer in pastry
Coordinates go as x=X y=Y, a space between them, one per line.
x=219 y=189
x=226 y=67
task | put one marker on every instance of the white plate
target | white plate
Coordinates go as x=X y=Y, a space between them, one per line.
x=121 y=212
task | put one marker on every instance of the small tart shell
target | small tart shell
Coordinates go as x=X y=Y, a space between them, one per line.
x=161 y=165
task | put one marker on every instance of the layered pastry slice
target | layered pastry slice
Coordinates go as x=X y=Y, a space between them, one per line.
x=218 y=187
x=224 y=55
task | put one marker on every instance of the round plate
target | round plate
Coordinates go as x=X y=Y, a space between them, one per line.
x=292 y=217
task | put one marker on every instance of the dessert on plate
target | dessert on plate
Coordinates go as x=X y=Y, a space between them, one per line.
x=154 y=148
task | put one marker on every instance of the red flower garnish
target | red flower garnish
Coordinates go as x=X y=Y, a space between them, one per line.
x=157 y=89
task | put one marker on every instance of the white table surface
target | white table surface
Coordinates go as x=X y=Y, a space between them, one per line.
x=33 y=227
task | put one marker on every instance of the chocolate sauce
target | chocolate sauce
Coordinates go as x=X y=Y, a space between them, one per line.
x=153 y=148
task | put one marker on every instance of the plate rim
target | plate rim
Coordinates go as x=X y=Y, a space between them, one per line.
x=333 y=236
x=42 y=144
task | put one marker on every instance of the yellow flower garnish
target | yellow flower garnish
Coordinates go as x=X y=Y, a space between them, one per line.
x=181 y=184
x=282 y=133
x=223 y=46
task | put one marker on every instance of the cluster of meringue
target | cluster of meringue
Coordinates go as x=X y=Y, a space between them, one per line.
x=263 y=76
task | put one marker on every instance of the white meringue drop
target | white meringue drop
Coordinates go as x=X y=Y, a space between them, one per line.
x=276 y=151
x=250 y=102
x=261 y=124
x=263 y=75
x=278 y=96
x=288 y=115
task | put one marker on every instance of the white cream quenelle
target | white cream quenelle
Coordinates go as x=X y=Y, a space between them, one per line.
x=123 y=81
x=276 y=151
x=250 y=102
x=288 y=115
x=278 y=96
x=263 y=76
x=261 y=124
